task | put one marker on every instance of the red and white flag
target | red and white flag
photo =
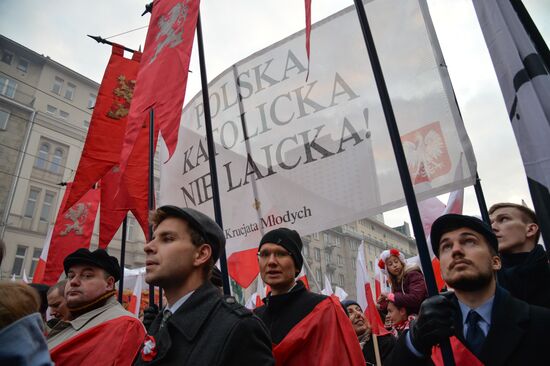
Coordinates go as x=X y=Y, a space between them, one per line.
x=364 y=293
x=302 y=277
x=72 y=230
x=135 y=299
x=41 y=265
x=340 y=293
x=327 y=289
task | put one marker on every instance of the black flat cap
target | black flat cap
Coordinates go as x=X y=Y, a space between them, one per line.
x=98 y=258
x=209 y=230
x=451 y=222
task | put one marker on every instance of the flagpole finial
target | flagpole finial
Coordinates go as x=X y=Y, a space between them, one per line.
x=148 y=9
x=98 y=39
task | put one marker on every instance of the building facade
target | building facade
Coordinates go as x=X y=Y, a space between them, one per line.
x=45 y=111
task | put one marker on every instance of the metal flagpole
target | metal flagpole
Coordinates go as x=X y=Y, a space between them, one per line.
x=406 y=182
x=151 y=196
x=212 y=155
x=122 y=257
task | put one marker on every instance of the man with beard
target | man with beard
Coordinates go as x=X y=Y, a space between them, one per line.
x=306 y=328
x=101 y=332
x=362 y=329
x=484 y=321
x=525 y=270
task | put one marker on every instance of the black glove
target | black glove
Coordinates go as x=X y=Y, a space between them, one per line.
x=433 y=324
x=149 y=315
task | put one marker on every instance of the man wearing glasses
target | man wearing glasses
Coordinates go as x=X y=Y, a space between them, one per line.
x=306 y=328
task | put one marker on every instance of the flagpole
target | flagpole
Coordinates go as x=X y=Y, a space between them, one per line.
x=406 y=182
x=122 y=257
x=151 y=195
x=211 y=154
x=539 y=193
x=481 y=201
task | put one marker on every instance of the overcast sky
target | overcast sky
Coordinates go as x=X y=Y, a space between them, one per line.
x=235 y=29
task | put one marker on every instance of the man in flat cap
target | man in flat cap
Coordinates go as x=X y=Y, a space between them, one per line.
x=306 y=328
x=484 y=321
x=199 y=326
x=101 y=332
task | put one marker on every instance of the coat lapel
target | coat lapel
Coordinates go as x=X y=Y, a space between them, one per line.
x=508 y=326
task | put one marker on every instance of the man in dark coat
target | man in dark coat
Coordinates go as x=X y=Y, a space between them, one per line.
x=199 y=326
x=306 y=328
x=484 y=320
x=525 y=270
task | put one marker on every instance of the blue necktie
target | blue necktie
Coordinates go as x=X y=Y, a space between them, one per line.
x=474 y=336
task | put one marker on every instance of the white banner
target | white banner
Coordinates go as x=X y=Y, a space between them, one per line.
x=316 y=154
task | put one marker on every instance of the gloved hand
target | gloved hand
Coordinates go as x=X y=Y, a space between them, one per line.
x=433 y=324
x=149 y=315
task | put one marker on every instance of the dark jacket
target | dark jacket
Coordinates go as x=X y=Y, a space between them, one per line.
x=518 y=335
x=385 y=345
x=411 y=293
x=527 y=276
x=209 y=329
x=282 y=312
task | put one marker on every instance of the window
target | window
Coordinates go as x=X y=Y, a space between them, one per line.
x=47 y=207
x=63 y=114
x=371 y=267
x=7 y=57
x=316 y=236
x=51 y=109
x=86 y=124
x=55 y=166
x=57 y=85
x=329 y=257
x=42 y=158
x=31 y=202
x=35 y=258
x=7 y=87
x=306 y=250
x=23 y=65
x=317 y=254
x=20 y=255
x=69 y=91
x=4 y=117
x=130 y=227
x=91 y=101
x=340 y=259
x=325 y=237
x=319 y=275
x=341 y=280
x=353 y=265
x=337 y=240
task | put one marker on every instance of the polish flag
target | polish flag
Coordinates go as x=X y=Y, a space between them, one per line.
x=328 y=287
x=364 y=294
x=255 y=300
x=302 y=277
x=25 y=278
x=41 y=266
x=135 y=300
x=340 y=293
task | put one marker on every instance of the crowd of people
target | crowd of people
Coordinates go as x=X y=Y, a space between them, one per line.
x=494 y=311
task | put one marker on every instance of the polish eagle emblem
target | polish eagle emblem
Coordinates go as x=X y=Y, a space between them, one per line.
x=426 y=152
x=78 y=215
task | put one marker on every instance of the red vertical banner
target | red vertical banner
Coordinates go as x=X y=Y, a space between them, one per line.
x=108 y=124
x=72 y=230
x=162 y=77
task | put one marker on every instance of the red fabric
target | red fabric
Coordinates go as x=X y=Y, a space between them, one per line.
x=39 y=272
x=325 y=337
x=243 y=266
x=162 y=77
x=462 y=355
x=304 y=281
x=308 y=32
x=376 y=323
x=377 y=288
x=72 y=230
x=115 y=342
x=104 y=140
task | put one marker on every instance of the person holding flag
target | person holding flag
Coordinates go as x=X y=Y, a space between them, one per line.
x=407 y=282
x=306 y=328
x=363 y=331
x=486 y=324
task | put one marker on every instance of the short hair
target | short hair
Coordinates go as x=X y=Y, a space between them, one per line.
x=59 y=286
x=159 y=215
x=528 y=216
x=42 y=291
x=17 y=300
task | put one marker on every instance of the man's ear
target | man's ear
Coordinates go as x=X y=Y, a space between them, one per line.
x=111 y=282
x=203 y=253
x=496 y=262
x=532 y=230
